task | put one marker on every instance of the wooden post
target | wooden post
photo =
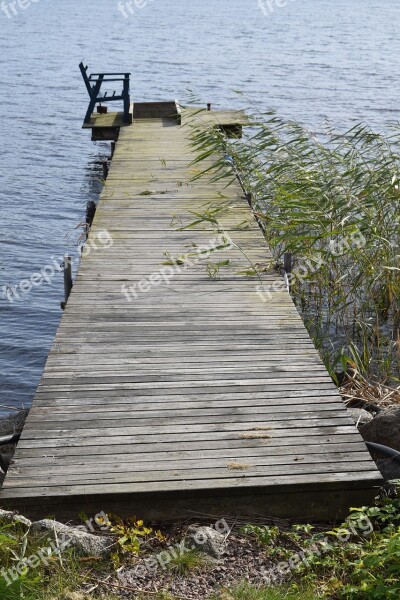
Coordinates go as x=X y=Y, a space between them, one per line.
x=249 y=198
x=105 y=169
x=287 y=262
x=208 y=106
x=67 y=279
x=287 y=266
x=112 y=149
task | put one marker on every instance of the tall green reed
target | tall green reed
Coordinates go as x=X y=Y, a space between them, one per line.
x=333 y=202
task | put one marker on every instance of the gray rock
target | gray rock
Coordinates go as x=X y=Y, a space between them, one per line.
x=205 y=539
x=75 y=537
x=384 y=428
x=13 y=423
x=13 y=517
x=8 y=426
x=389 y=469
x=360 y=416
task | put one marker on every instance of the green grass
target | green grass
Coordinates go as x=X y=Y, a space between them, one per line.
x=49 y=581
x=188 y=562
x=245 y=591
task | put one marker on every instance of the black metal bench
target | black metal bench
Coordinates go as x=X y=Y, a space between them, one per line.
x=93 y=83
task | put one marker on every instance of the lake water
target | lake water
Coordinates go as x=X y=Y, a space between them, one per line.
x=311 y=60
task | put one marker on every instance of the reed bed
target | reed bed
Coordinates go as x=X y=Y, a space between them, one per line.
x=333 y=202
x=370 y=392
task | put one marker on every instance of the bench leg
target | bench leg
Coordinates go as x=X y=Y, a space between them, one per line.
x=127 y=102
x=90 y=110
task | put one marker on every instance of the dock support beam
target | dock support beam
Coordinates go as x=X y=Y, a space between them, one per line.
x=67 y=279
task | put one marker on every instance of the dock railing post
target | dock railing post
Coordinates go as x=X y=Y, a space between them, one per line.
x=67 y=279
x=287 y=266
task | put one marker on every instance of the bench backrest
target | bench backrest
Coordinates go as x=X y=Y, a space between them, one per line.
x=86 y=78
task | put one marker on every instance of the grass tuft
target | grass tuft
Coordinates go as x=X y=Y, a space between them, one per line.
x=188 y=561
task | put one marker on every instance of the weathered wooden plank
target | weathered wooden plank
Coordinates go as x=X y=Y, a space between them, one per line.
x=155 y=409
x=199 y=385
x=158 y=422
x=124 y=362
x=200 y=463
x=207 y=474
x=244 y=426
x=164 y=457
x=215 y=445
x=99 y=438
x=98 y=401
x=173 y=377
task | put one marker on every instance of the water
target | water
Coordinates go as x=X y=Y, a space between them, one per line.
x=311 y=60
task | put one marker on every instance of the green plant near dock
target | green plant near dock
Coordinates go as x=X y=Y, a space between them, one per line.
x=357 y=560
x=364 y=568
x=333 y=203
x=130 y=534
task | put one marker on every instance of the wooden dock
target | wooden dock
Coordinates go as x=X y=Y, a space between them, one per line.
x=175 y=390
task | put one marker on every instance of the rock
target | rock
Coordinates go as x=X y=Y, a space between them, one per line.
x=13 y=423
x=8 y=426
x=205 y=539
x=389 y=469
x=13 y=517
x=384 y=428
x=74 y=537
x=360 y=416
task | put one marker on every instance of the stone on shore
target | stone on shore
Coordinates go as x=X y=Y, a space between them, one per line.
x=8 y=426
x=14 y=517
x=83 y=542
x=206 y=539
x=360 y=416
x=384 y=428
